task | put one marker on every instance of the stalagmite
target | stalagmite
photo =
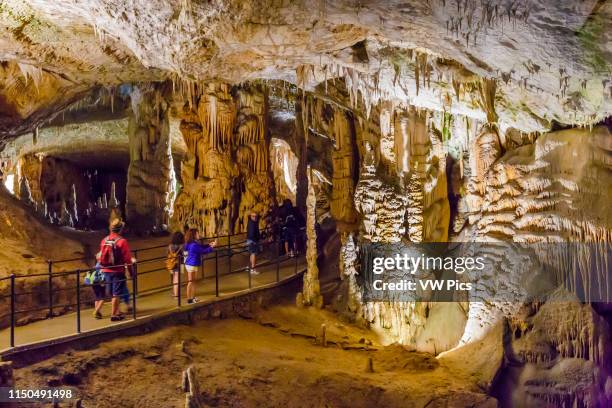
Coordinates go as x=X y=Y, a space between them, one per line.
x=25 y=194
x=65 y=217
x=311 y=295
x=369 y=365
x=74 y=210
x=191 y=388
x=322 y=337
x=114 y=203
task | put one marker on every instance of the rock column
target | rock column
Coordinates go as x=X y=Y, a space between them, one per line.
x=148 y=180
x=311 y=295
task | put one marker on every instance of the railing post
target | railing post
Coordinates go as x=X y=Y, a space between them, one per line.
x=229 y=251
x=216 y=273
x=248 y=271
x=296 y=264
x=178 y=280
x=50 y=265
x=134 y=285
x=278 y=251
x=201 y=266
x=13 y=310
x=78 y=299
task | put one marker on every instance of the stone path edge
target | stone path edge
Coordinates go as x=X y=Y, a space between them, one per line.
x=234 y=304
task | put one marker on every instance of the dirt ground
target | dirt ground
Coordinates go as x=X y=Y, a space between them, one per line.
x=274 y=359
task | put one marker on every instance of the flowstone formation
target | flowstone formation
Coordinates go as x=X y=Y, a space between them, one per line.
x=227 y=172
x=402 y=196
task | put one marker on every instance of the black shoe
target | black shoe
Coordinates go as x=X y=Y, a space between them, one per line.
x=117 y=318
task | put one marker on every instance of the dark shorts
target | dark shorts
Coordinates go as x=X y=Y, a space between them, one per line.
x=99 y=291
x=252 y=247
x=288 y=235
x=115 y=281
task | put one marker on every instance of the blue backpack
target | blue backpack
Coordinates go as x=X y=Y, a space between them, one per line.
x=94 y=276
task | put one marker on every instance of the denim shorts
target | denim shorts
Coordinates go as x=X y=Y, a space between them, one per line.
x=99 y=291
x=252 y=246
x=116 y=283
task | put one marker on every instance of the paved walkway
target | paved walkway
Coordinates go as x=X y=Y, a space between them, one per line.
x=153 y=298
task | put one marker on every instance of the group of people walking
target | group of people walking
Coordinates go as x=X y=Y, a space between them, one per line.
x=109 y=275
x=115 y=262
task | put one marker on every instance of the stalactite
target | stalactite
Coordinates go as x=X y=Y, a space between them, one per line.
x=487 y=88
x=228 y=172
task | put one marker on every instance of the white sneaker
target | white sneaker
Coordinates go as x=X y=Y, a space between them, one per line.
x=254 y=272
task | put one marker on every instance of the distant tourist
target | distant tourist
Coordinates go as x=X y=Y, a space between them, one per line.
x=95 y=278
x=115 y=258
x=193 y=251
x=173 y=258
x=289 y=227
x=252 y=241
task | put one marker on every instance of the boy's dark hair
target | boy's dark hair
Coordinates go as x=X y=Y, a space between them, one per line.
x=177 y=238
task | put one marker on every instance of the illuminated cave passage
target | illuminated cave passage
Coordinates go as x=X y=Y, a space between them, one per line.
x=76 y=192
x=355 y=136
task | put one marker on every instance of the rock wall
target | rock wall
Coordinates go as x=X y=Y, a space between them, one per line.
x=227 y=170
x=148 y=180
x=558 y=354
x=27 y=241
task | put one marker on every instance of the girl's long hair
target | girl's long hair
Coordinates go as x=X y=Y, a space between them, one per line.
x=190 y=235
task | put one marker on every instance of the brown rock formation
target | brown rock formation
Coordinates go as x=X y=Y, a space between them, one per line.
x=149 y=184
x=311 y=293
x=227 y=172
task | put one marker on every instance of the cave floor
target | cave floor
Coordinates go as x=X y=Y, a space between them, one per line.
x=152 y=297
x=269 y=360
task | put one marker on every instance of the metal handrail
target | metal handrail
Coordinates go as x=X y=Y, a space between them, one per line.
x=217 y=253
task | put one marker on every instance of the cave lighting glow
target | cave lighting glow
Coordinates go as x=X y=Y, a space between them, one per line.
x=8 y=183
x=290 y=181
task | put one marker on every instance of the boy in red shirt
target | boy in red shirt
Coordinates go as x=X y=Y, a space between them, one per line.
x=115 y=258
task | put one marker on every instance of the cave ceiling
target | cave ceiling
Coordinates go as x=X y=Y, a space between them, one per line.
x=551 y=58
